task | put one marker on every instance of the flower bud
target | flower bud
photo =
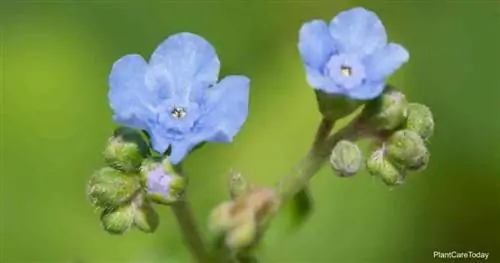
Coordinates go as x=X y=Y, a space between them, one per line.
x=420 y=164
x=379 y=166
x=420 y=120
x=407 y=148
x=390 y=110
x=227 y=216
x=162 y=187
x=126 y=150
x=346 y=158
x=238 y=185
x=117 y=220
x=242 y=236
x=110 y=187
x=146 y=219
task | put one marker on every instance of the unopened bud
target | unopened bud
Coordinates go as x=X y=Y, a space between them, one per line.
x=420 y=164
x=146 y=218
x=242 y=236
x=126 y=150
x=390 y=110
x=420 y=120
x=111 y=187
x=379 y=166
x=227 y=216
x=407 y=148
x=346 y=158
x=263 y=202
x=117 y=220
x=238 y=185
x=162 y=187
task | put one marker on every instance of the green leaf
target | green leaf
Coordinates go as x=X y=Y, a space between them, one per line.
x=301 y=207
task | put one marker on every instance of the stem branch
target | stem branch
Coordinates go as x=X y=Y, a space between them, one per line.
x=190 y=232
x=294 y=182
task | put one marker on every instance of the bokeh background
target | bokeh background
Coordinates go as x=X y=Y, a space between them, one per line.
x=55 y=119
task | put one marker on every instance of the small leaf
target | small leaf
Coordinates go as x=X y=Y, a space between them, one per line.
x=301 y=207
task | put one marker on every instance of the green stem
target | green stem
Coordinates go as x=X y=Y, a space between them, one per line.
x=190 y=232
x=295 y=182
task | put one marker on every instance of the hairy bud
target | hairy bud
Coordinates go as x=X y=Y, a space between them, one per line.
x=162 y=186
x=390 y=110
x=146 y=218
x=227 y=216
x=379 y=166
x=238 y=185
x=420 y=120
x=117 y=220
x=407 y=148
x=346 y=158
x=242 y=236
x=111 y=187
x=126 y=150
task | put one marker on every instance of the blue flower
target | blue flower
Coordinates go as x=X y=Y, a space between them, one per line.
x=176 y=97
x=351 y=56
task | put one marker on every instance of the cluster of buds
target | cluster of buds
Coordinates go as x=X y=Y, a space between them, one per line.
x=125 y=189
x=241 y=221
x=401 y=131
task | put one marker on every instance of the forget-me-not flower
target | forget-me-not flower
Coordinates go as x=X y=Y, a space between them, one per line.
x=176 y=97
x=350 y=56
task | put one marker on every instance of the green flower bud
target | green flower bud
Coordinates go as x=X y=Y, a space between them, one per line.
x=162 y=184
x=111 y=187
x=117 y=220
x=407 y=148
x=146 y=218
x=334 y=107
x=378 y=165
x=389 y=110
x=346 y=158
x=227 y=216
x=238 y=185
x=126 y=150
x=420 y=120
x=242 y=236
x=420 y=164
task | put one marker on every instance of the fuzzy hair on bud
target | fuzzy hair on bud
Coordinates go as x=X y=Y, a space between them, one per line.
x=390 y=110
x=111 y=187
x=238 y=185
x=117 y=220
x=406 y=147
x=420 y=120
x=346 y=158
x=379 y=166
x=126 y=150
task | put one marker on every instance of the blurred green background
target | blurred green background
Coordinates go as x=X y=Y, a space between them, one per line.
x=55 y=119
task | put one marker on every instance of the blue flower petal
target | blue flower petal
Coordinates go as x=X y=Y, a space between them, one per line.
x=366 y=91
x=321 y=82
x=225 y=109
x=183 y=65
x=385 y=61
x=159 y=140
x=181 y=149
x=358 y=31
x=315 y=44
x=129 y=97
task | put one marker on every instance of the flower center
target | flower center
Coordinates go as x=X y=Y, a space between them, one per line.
x=178 y=113
x=346 y=70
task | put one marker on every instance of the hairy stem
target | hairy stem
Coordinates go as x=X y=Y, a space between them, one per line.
x=295 y=182
x=190 y=232
x=324 y=129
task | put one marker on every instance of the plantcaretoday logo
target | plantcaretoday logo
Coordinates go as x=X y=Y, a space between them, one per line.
x=460 y=255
